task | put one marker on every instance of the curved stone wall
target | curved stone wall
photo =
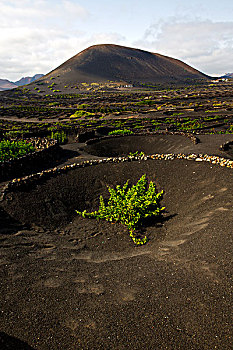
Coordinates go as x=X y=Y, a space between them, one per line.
x=45 y=149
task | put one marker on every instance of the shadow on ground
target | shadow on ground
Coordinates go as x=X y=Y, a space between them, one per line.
x=8 y=342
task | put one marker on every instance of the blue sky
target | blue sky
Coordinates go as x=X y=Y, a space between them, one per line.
x=38 y=35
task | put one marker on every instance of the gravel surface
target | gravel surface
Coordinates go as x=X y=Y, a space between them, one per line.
x=73 y=283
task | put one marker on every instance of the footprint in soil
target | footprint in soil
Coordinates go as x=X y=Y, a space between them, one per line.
x=52 y=282
x=89 y=288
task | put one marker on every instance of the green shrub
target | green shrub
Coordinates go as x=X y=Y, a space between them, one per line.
x=14 y=149
x=82 y=113
x=230 y=129
x=60 y=136
x=121 y=132
x=129 y=206
x=145 y=102
x=137 y=154
x=13 y=134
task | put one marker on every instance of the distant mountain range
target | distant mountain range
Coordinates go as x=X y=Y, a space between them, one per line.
x=7 y=85
x=227 y=75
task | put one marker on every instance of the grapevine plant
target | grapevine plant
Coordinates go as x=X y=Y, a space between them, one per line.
x=121 y=132
x=14 y=149
x=60 y=136
x=129 y=206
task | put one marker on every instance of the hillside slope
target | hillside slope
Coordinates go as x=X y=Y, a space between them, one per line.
x=103 y=63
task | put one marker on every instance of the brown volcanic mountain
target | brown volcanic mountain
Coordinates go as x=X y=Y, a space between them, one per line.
x=102 y=63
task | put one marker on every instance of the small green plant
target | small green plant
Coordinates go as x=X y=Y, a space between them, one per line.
x=129 y=206
x=14 y=134
x=14 y=149
x=121 y=132
x=82 y=114
x=60 y=136
x=137 y=154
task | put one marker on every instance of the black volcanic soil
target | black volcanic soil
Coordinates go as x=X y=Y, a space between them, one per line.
x=122 y=146
x=73 y=283
x=76 y=152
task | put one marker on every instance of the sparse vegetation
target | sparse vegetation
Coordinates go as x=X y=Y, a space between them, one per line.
x=172 y=109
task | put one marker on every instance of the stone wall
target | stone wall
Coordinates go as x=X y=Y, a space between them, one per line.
x=225 y=146
x=30 y=180
x=45 y=150
x=195 y=140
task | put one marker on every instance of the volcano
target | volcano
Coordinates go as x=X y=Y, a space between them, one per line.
x=114 y=63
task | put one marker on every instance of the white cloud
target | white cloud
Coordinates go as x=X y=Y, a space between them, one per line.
x=73 y=9
x=41 y=50
x=37 y=35
x=38 y=10
x=204 y=44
